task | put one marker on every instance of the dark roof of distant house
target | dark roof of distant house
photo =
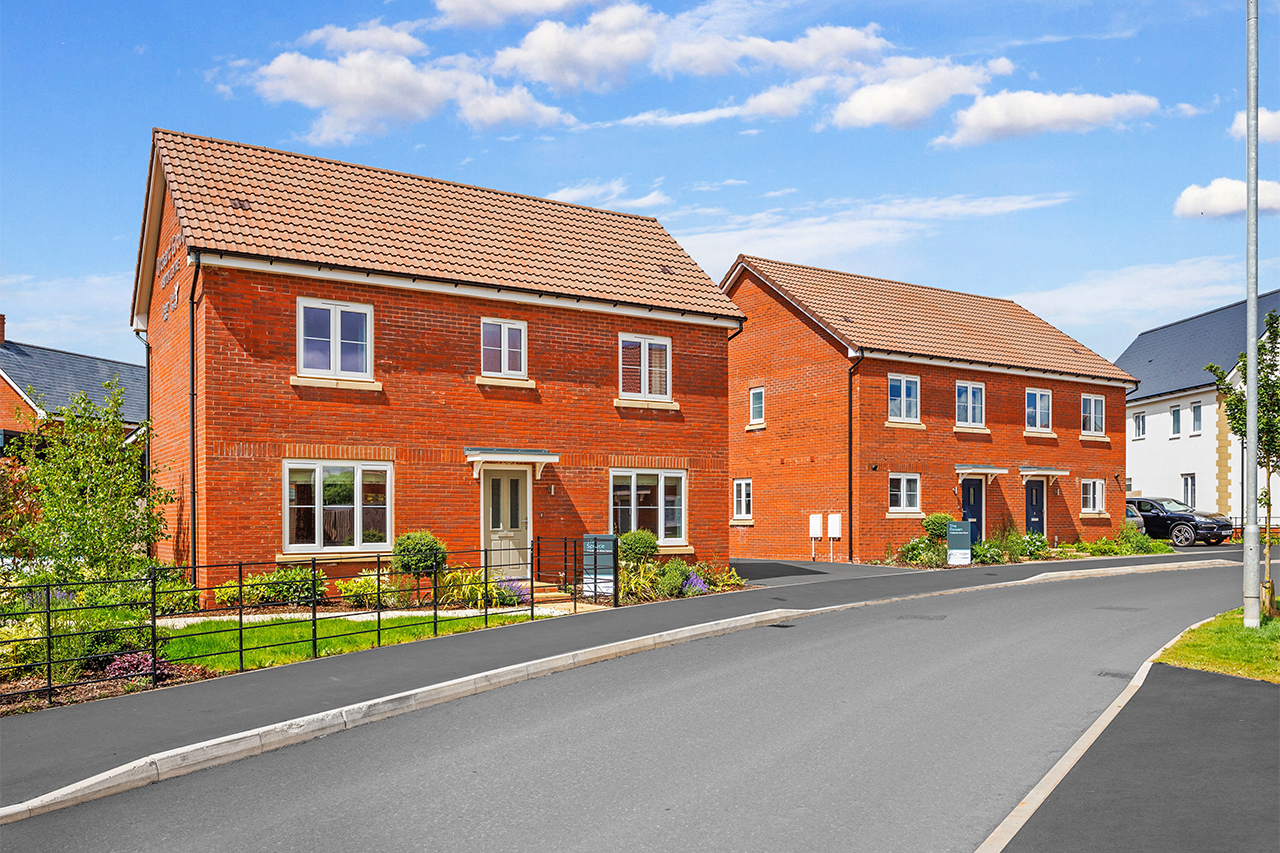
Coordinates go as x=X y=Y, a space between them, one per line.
x=1171 y=358
x=55 y=375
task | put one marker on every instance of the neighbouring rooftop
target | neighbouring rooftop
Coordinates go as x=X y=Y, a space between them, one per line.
x=55 y=375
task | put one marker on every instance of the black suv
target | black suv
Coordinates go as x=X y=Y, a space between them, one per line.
x=1171 y=519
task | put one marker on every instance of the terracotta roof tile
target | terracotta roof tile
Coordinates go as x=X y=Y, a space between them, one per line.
x=315 y=211
x=911 y=319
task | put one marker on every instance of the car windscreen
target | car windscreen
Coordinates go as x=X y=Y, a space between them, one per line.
x=1173 y=506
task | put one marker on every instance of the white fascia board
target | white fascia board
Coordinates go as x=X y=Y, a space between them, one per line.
x=1158 y=399
x=40 y=413
x=213 y=259
x=819 y=323
x=993 y=368
x=148 y=244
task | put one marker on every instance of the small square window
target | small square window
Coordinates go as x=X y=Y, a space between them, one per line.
x=1039 y=410
x=970 y=404
x=1091 y=419
x=904 y=493
x=502 y=345
x=904 y=398
x=644 y=367
x=757 y=405
x=335 y=339
x=742 y=498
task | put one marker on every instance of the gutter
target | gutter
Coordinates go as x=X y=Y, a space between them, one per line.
x=191 y=362
x=849 y=453
x=146 y=414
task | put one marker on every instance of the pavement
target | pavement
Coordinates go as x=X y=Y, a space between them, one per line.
x=45 y=751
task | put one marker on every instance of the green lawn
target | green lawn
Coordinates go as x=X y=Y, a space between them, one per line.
x=1225 y=645
x=292 y=642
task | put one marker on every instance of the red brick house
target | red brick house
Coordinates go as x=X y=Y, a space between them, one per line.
x=341 y=354
x=880 y=402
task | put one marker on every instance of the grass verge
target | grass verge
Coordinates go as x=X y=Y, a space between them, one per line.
x=287 y=640
x=1224 y=645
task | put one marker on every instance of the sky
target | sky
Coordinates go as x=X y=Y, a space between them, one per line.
x=1085 y=159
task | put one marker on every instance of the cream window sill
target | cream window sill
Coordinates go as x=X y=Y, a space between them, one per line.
x=331 y=556
x=904 y=515
x=753 y=427
x=904 y=424
x=1103 y=438
x=675 y=549
x=742 y=522
x=971 y=429
x=323 y=382
x=1039 y=433
x=1095 y=515
x=668 y=405
x=506 y=382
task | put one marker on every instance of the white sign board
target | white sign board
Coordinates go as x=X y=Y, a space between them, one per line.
x=833 y=526
x=815 y=526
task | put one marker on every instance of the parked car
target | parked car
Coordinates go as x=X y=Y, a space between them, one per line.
x=1132 y=515
x=1167 y=518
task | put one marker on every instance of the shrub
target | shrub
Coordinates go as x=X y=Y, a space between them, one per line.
x=719 y=578
x=695 y=585
x=987 y=552
x=419 y=553
x=923 y=551
x=362 y=591
x=1010 y=541
x=638 y=581
x=935 y=526
x=1139 y=543
x=93 y=636
x=510 y=593
x=637 y=546
x=1035 y=545
x=672 y=578
x=462 y=586
x=286 y=585
x=174 y=593
x=138 y=664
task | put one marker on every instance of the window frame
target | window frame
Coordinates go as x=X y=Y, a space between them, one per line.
x=1175 y=421
x=663 y=475
x=903 y=478
x=1189 y=480
x=318 y=546
x=742 y=498
x=982 y=422
x=1099 y=413
x=335 y=308
x=905 y=379
x=504 y=326
x=1197 y=419
x=751 y=405
x=1139 y=418
x=645 y=341
x=1039 y=392
x=1096 y=490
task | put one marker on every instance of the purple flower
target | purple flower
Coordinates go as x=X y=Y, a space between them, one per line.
x=513 y=589
x=695 y=585
x=134 y=665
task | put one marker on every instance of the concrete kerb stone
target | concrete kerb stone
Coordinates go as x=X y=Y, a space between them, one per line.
x=224 y=750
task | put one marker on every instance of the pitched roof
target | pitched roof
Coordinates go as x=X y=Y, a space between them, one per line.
x=256 y=202
x=55 y=375
x=910 y=319
x=1171 y=358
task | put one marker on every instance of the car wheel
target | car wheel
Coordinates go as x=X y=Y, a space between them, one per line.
x=1182 y=535
x=1217 y=540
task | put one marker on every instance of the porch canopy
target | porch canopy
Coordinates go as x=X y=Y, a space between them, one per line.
x=988 y=471
x=481 y=456
x=1029 y=471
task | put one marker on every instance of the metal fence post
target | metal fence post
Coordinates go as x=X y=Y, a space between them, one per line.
x=153 y=626
x=484 y=591
x=531 y=580
x=378 y=606
x=48 y=641
x=313 y=608
x=240 y=631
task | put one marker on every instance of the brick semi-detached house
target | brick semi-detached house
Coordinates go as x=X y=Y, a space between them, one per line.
x=880 y=402
x=377 y=352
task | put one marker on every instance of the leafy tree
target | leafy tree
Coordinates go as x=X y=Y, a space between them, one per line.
x=1268 y=420
x=97 y=509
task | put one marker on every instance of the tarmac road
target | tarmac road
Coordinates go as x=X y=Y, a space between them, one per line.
x=908 y=726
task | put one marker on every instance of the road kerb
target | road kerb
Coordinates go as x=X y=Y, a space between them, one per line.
x=1021 y=813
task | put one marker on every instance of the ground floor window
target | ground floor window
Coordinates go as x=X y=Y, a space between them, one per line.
x=649 y=500
x=742 y=498
x=336 y=505
x=904 y=493
x=1189 y=490
x=1091 y=497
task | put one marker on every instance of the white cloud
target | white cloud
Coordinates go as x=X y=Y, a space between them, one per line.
x=591 y=56
x=1268 y=125
x=959 y=206
x=84 y=314
x=491 y=12
x=825 y=47
x=1020 y=113
x=653 y=199
x=589 y=190
x=776 y=102
x=1225 y=197
x=371 y=35
x=778 y=193
x=367 y=91
x=750 y=132
x=1188 y=111
x=714 y=186
x=906 y=90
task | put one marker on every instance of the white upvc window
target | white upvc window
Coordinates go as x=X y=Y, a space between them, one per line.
x=1197 y=419
x=335 y=339
x=742 y=498
x=502 y=348
x=904 y=493
x=757 y=405
x=1092 y=495
x=1189 y=490
x=1039 y=410
x=337 y=505
x=1092 y=421
x=1139 y=424
x=1175 y=425
x=644 y=367
x=904 y=398
x=648 y=500
x=970 y=404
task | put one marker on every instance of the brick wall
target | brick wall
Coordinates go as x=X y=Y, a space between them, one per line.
x=15 y=414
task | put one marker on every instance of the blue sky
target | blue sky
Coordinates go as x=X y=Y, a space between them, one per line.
x=1083 y=158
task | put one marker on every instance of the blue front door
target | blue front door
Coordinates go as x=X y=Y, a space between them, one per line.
x=1035 y=506
x=971 y=507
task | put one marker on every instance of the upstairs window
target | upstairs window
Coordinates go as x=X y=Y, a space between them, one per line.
x=1139 y=424
x=1039 y=410
x=970 y=404
x=904 y=398
x=757 y=405
x=1175 y=428
x=644 y=367
x=502 y=348
x=1091 y=420
x=335 y=339
x=1197 y=421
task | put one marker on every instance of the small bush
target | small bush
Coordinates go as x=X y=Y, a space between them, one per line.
x=362 y=591
x=286 y=585
x=638 y=581
x=987 y=552
x=719 y=578
x=923 y=551
x=462 y=586
x=1010 y=541
x=1035 y=546
x=935 y=526
x=637 y=546
x=510 y=593
x=695 y=585
x=672 y=579
x=137 y=665
x=1139 y=543
x=174 y=593
x=419 y=553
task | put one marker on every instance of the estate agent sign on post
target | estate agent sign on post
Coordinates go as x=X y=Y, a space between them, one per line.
x=959 y=551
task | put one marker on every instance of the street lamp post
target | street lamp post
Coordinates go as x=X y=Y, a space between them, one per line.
x=1252 y=567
